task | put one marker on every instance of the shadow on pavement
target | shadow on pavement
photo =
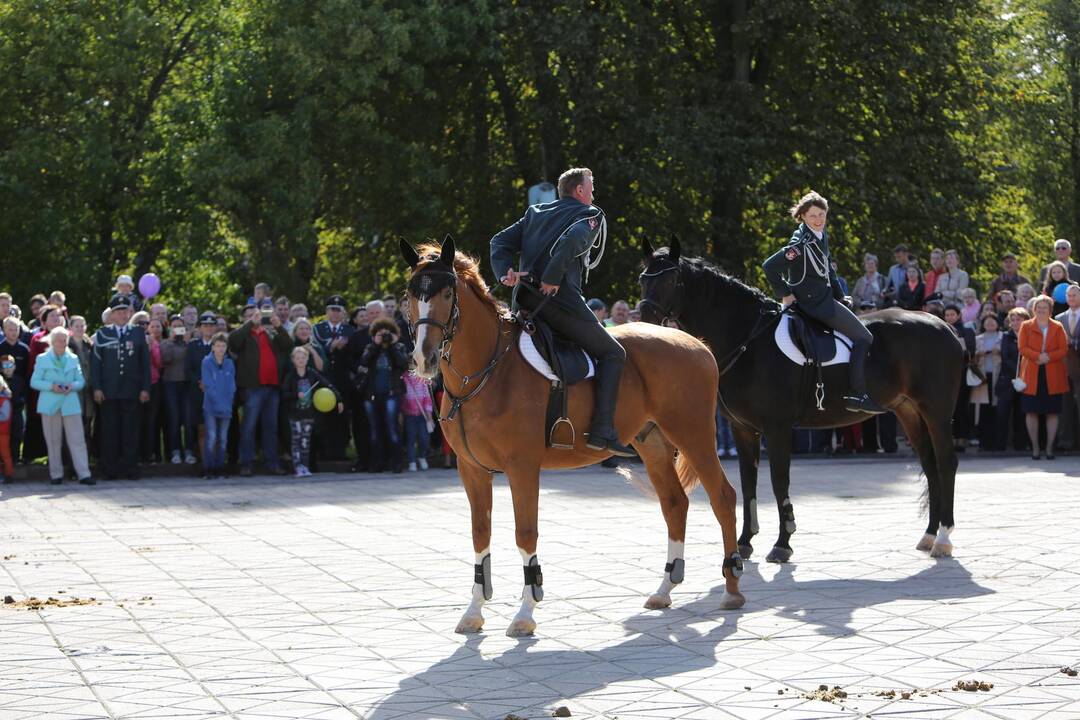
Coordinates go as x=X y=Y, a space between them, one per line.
x=525 y=680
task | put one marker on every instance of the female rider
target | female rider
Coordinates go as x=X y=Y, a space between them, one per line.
x=801 y=271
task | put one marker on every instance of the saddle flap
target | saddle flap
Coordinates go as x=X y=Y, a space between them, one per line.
x=813 y=338
x=567 y=362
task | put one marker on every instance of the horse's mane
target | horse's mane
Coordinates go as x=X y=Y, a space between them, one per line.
x=468 y=271
x=708 y=284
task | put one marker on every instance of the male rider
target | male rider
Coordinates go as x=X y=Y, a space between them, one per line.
x=554 y=241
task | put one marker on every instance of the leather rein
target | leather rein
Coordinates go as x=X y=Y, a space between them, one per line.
x=449 y=329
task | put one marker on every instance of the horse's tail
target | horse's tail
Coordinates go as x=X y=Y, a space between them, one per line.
x=634 y=478
x=687 y=477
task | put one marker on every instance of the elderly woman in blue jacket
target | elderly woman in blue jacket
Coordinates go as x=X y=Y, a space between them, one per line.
x=58 y=377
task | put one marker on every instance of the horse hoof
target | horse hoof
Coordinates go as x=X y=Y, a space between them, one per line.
x=778 y=555
x=732 y=601
x=470 y=624
x=926 y=542
x=521 y=628
x=941 y=550
x=746 y=551
x=657 y=601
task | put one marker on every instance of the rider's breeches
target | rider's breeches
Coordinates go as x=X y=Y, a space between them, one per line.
x=845 y=321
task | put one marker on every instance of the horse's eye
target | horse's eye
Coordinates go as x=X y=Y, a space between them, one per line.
x=446 y=293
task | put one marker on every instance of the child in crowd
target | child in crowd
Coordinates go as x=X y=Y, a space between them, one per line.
x=261 y=295
x=419 y=420
x=219 y=388
x=16 y=393
x=298 y=395
x=7 y=410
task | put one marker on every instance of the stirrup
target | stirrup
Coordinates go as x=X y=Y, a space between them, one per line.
x=864 y=404
x=551 y=435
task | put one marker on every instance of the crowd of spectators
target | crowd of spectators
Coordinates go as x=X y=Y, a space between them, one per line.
x=189 y=388
x=213 y=393
x=1022 y=344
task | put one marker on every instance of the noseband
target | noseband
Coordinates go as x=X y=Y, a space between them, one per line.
x=666 y=312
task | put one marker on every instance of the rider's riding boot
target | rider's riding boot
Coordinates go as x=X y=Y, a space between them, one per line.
x=602 y=434
x=859 y=400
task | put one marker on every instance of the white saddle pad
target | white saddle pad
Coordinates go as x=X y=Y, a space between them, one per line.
x=539 y=364
x=784 y=342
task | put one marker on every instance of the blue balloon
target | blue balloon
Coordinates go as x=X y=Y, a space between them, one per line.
x=1060 y=291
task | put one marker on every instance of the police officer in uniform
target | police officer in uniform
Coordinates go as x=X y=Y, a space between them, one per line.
x=120 y=379
x=802 y=271
x=333 y=335
x=555 y=242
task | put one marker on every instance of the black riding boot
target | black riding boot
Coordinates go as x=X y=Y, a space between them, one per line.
x=859 y=400
x=602 y=434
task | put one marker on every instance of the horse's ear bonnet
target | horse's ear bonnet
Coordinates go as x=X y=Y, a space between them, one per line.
x=436 y=274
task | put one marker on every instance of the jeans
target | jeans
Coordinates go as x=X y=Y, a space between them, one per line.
x=416 y=436
x=261 y=409
x=724 y=440
x=178 y=415
x=217 y=430
x=382 y=412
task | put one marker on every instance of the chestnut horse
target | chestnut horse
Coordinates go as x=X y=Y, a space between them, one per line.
x=493 y=415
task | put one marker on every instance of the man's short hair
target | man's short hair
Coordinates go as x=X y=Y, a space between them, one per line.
x=12 y=321
x=5 y=296
x=219 y=337
x=571 y=179
x=375 y=305
x=282 y=300
x=389 y=297
x=1062 y=243
x=954 y=308
x=1008 y=256
x=900 y=248
x=263 y=286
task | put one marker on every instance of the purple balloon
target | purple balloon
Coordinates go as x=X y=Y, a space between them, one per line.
x=149 y=285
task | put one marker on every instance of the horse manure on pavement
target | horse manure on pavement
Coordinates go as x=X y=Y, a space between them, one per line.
x=34 y=603
x=827 y=694
x=1071 y=672
x=561 y=711
x=973 y=685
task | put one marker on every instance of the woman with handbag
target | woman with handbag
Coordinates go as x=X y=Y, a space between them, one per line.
x=1043 y=346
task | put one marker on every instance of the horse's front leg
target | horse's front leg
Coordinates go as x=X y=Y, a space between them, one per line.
x=525 y=489
x=477 y=482
x=779 y=441
x=748 y=443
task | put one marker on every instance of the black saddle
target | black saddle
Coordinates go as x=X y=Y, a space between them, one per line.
x=815 y=339
x=567 y=360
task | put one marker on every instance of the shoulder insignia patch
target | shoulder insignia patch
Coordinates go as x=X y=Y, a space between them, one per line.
x=593 y=223
x=792 y=253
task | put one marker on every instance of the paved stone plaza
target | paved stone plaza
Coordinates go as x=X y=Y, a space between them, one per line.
x=337 y=597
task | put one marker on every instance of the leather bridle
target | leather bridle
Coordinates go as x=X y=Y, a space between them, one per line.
x=666 y=312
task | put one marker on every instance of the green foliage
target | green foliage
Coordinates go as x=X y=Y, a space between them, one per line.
x=221 y=144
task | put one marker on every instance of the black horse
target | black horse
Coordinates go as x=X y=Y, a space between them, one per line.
x=915 y=367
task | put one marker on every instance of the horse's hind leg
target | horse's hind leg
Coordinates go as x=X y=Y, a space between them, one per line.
x=748 y=443
x=525 y=490
x=659 y=458
x=941 y=436
x=477 y=482
x=919 y=436
x=779 y=441
x=700 y=454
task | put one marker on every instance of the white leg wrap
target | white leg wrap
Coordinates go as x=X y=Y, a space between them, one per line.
x=523 y=623
x=942 y=543
x=473 y=618
x=673 y=575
